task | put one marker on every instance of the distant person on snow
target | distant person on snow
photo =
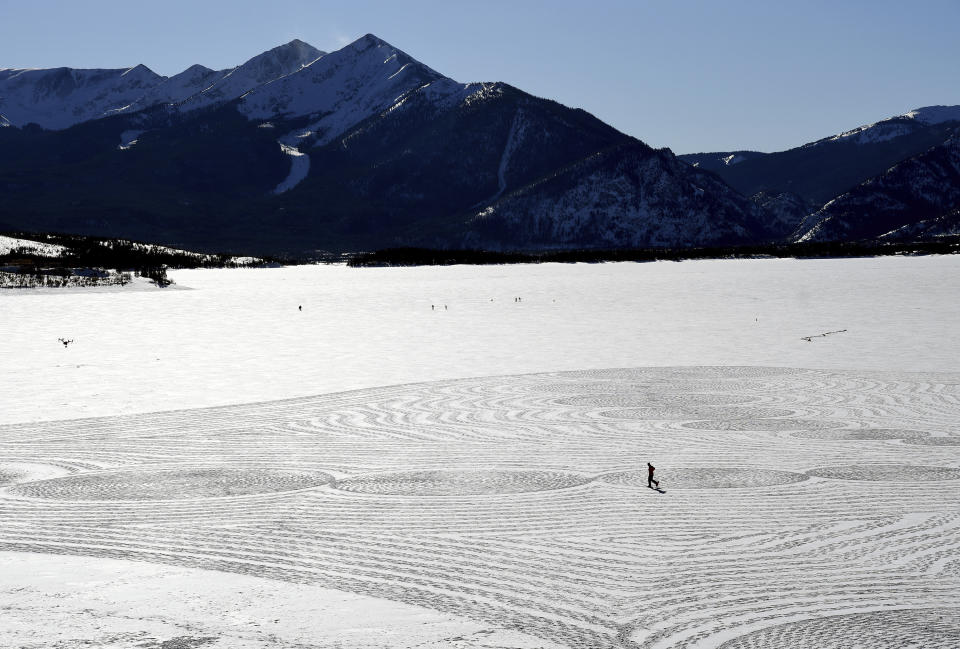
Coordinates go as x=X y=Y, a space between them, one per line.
x=300 y=307
x=650 y=480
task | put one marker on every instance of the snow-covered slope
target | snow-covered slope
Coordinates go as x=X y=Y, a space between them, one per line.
x=345 y=87
x=935 y=114
x=261 y=69
x=947 y=225
x=177 y=88
x=9 y=244
x=61 y=97
x=896 y=126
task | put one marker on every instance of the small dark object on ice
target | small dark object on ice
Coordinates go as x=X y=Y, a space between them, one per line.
x=809 y=339
x=65 y=341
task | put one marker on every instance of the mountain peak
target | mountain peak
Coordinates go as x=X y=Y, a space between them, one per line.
x=141 y=71
x=196 y=68
x=366 y=42
x=281 y=60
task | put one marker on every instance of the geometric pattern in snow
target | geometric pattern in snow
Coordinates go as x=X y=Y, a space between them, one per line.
x=935 y=441
x=462 y=496
x=926 y=628
x=172 y=484
x=730 y=415
x=886 y=473
x=460 y=483
x=708 y=478
x=766 y=425
x=860 y=434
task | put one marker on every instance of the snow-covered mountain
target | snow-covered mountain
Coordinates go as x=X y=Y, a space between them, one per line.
x=261 y=69
x=58 y=98
x=897 y=126
x=343 y=88
x=922 y=188
x=62 y=97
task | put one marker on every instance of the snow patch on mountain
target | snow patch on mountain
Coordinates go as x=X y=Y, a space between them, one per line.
x=733 y=159
x=299 y=168
x=513 y=138
x=129 y=138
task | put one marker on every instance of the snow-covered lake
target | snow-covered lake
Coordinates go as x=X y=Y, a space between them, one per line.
x=238 y=336
x=442 y=457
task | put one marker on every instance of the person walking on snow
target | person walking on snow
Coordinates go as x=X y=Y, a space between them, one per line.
x=650 y=480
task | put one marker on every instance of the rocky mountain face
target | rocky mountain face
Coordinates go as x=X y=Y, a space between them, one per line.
x=919 y=196
x=362 y=148
x=626 y=196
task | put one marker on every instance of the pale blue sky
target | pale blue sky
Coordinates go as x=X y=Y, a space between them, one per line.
x=691 y=75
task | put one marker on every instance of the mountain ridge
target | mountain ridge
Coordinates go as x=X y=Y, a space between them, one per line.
x=365 y=147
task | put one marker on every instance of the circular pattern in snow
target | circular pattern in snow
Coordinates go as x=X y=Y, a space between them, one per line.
x=460 y=483
x=14 y=473
x=937 y=628
x=765 y=425
x=174 y=484
x=886 y=473
x=708 y=478
x=861 y=434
